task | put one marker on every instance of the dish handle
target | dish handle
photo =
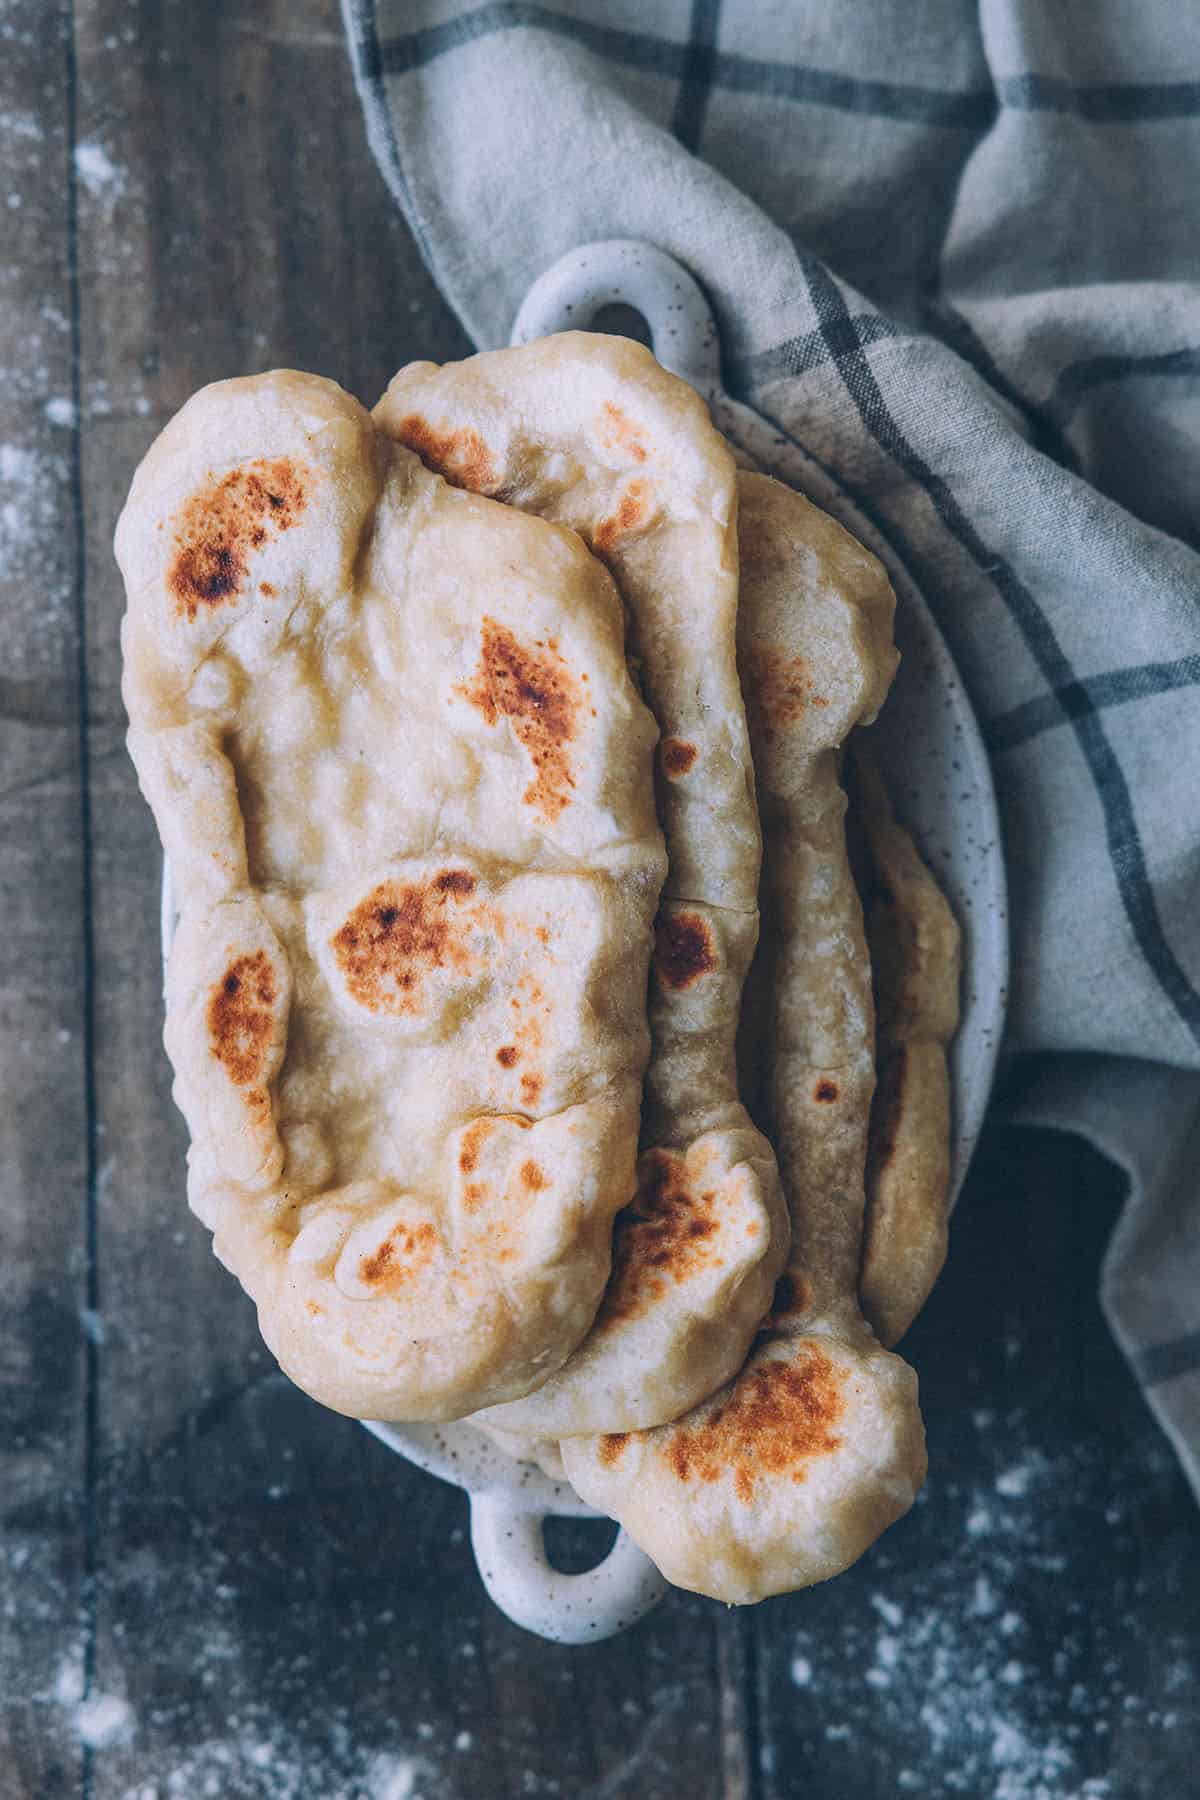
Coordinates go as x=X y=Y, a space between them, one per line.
x=570 y=293
x=510 y=1551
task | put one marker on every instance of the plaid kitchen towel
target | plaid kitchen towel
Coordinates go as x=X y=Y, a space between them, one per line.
x=953 y=252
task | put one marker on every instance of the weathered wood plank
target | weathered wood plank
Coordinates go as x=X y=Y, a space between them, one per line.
x=284 y=1608
x=43 y=1037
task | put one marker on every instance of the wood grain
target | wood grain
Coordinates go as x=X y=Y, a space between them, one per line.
x=43 y=978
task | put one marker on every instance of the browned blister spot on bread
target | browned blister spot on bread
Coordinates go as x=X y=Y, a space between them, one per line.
x=240 y=1018
x=777 y=1419
x=404 y=1251
x=676 y=757
x=532 y=687
x=217 y=528
x=460 y=455
x=473 y=1140
x=618 y=432
x=454 y=881
x=531 y=1090
x=665 y=1234
x=611 y=1447
x=401 y=931
x=683 y=950
x=531 y=1009
x=633 y=511
x=779 y=689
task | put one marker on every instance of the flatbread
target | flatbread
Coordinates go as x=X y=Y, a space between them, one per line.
x=915 y=947
x=391 y=742
x=791 y=1470
x=592 y=432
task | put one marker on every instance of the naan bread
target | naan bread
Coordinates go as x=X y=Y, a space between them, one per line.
x=393 y=749
x=590 y=431
x=915 y=950
x=791 y=1470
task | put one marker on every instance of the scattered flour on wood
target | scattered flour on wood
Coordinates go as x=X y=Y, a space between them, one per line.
x=981 y=1679
x=103 y=1720
x=69 y=1682
x=102 y=177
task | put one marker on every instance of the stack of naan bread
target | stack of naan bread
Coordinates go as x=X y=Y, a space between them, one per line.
x=521 y=1005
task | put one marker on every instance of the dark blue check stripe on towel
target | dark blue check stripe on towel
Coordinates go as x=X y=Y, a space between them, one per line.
x=971 y=109
x=1116 y=688
x=696 y=76
x=1045 y=432
x=808 y=350
x=1108 y=104
x=1078 y=378
x=1126 y=852
x=1046 y=422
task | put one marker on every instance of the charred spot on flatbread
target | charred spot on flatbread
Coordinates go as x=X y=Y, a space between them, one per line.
x=633 y=512
x=240 y=1017
x=676 y=757
x=224 y=522
x=778 y=1417
x=461 y=456
x=401 y=931
x=665 y=1234
x=684 y=950
x=779 y=689
x=403 y=1253
x=531 y=686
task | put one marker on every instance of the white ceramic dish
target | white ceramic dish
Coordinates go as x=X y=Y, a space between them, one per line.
x=938 y=769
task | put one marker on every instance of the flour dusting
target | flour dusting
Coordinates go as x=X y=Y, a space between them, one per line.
x=69 y=1683
x=97 y=171
x=103 y=1720
x=984 y=1678
x=393 y=1778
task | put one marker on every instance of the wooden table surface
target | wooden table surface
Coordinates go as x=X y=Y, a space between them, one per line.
x=209 y=1585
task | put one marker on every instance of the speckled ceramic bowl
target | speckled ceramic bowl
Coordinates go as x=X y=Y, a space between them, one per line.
x=930 y=745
